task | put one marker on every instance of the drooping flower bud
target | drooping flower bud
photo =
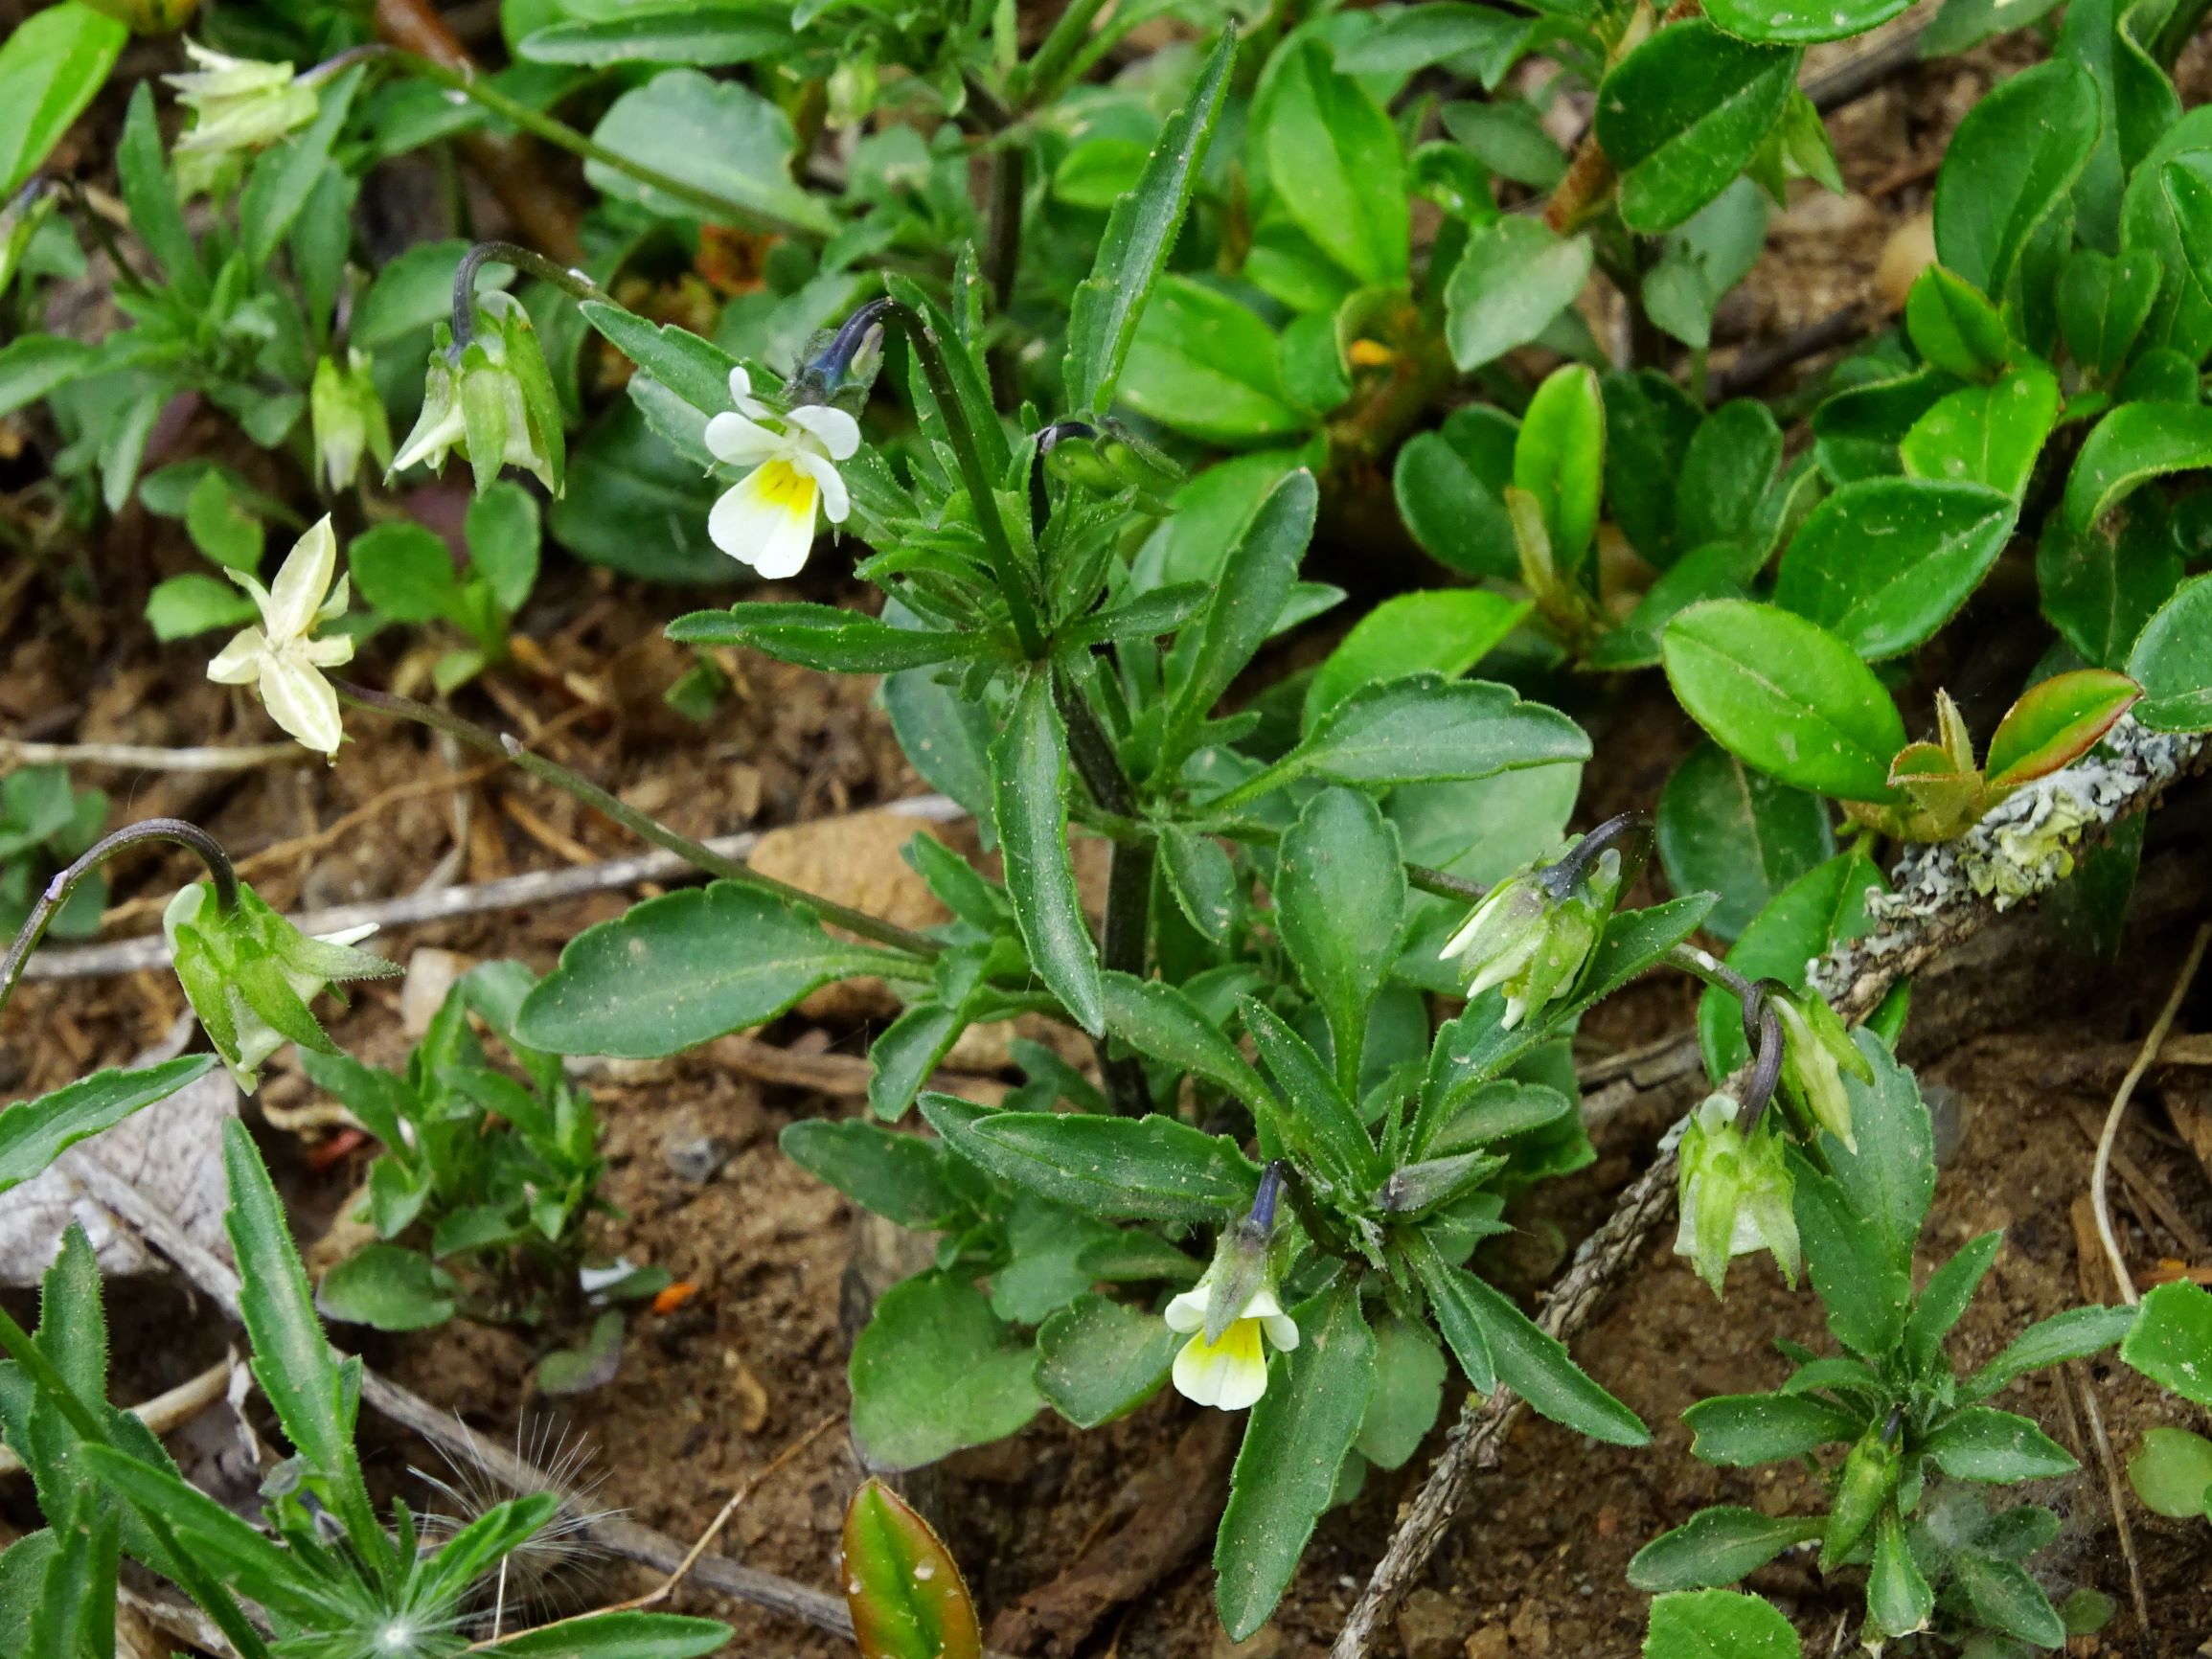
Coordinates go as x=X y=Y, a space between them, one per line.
x=238 y=105
x=1816 y=1051
x=1736 y=1193
x=1533 y=931
x=492 y=403
x=249 y=975
x=347 y=419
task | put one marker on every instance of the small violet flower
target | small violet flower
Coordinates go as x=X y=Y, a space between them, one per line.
x=1230 y=1310
x=282 y=659
x=766 y=519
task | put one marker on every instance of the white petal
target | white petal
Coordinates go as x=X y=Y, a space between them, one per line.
x=301 y=582
x=766 y=522
x=1187 y=1312
x=741 y=386
x=1230 y=1373
x=302 y=702
x=240 y=663
x=333 y=652
x=741 y=442
x=839 y=433
x=1281 y=1331
x=1244 y=1380
x=1198 y=1371
x=349 y=935
x=784 y=553
x=836 y=503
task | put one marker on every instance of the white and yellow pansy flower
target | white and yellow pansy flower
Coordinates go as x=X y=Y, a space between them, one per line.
x=1230 y=1372
x=766 y=519
x=282 y=659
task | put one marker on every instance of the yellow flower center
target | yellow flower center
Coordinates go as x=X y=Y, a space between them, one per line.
x=784 y=485
x=1240 y=1344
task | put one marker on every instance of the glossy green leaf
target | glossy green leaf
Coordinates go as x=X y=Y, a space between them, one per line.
x=1140 y=234
x=822 y=636
x=1732 y=830
x=2100 y=587
x=34 y=1133
x=1203 y=364
x=901 y=1584
x=1718 y=1624
x=1785 y=695
x=1416 y=36
x=685 y=967
x=620 y=1635
x=1339 y=896
x=1536 y=1366
x=1943 y=1300
x=935 y=1370
x=1559 y=460
x=1099 y=1359
x=1783 y=22
x=2134 y=443
x=1514 y=280
x=1899 y=1600
x=2011 y=162
x=52 y=65
x=1881 y=564
x=2104 y=300
x=1293 y=1445
x=1152 y=1168
x=1682 y=115
x=1508 y=138
x=1954 y=327
x=1446 y=631
x=2170 y=1342
x=1421 y=730
x=1336 y=166
x=1726 y=473
x=1987 y=435
x=1029 y=802
x=1715 y=1547
x=1451 y=484
x=1200 y=878
x=2055 y=721
x=2173 y=661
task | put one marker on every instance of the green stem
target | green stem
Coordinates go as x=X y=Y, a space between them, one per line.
x=214 y=1600
x=57 y=891
x=1040 y=81
x=695 y=854
x=721 y=208
x=998 y=547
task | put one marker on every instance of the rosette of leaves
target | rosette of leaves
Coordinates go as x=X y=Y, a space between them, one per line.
x=1937 y=1558
x=480 y=1195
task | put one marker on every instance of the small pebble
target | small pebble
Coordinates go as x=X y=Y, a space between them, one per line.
x=698 y=1158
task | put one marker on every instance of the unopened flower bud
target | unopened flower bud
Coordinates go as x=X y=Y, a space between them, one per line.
x=238 y=105
x=249 y=975
x=1816 y=1051
x=1533 y=931
x=1736 y=1193
x=492 y=403
x=1869 y=1476
x=348 y=417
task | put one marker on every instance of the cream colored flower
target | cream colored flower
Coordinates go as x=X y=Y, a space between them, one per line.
x=238 y=104
x=1230 y=1372
x=282 y=659
x=766 y=519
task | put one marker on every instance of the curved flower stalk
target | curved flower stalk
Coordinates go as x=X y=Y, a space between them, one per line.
x=490 y=401
x=767 y=518
x=282 y=659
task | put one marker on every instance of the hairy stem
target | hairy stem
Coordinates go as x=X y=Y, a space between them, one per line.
x=176 y=831
x=699 y=855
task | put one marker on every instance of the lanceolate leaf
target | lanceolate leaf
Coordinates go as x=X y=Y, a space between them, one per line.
x=1717 y=1547
x=2011 y=162
x=825 y=637
x=1421 y=730
x=1139 y=236
x=1340 y=903
x=52 y=65
x=702 y=37
x=34 y=1133
x=1159 y=1020
x=1787 y=696
x=1334 y=159
x=1790 y=22
x=1153 y=1167
x=1682 y=115
x=908 y=1598
x=1294 y=1445
x=1029 y=803
x=683 y=968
